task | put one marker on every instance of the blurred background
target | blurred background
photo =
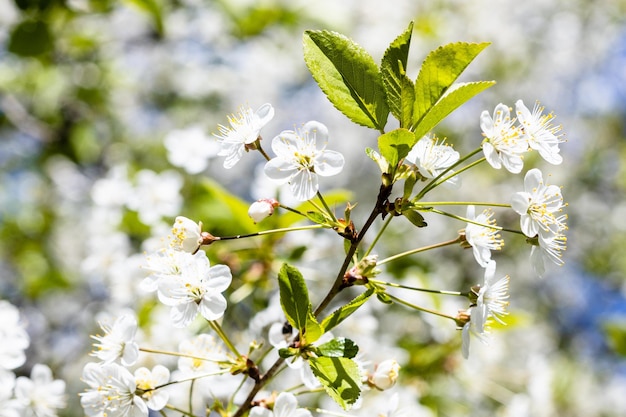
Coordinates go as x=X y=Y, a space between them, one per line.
x=103 y=104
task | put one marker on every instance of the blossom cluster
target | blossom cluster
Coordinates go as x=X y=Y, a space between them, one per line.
x=37 y=395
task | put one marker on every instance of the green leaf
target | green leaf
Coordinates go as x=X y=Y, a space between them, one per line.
x=346 y=310
x=312 y=330
x=338 y=348
x=395 y=145
x=348 y=76
x=439 y=70
x=398 y=87
x=340 y=377
x=317 y=217
x=31 y=38
x=294 y=296
x=455 y=97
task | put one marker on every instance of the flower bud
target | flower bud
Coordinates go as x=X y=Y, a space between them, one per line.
x=385 y=375
x=262 y=208
x=186 y=235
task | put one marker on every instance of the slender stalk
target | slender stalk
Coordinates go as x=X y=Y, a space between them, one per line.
x=378 y=235
x=463 y=219
x=293 y=210
x=328 y=210
x=454 y=174
x=443 y=292
x=425 y=310
x=418 y=250
x=460 y=203
x=192 y=379
x=269 y=232
x=434 y=182
x=218 y=329
x=260 y=149
x=178 y=410
x=182 y=355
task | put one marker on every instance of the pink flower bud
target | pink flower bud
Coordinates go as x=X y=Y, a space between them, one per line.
x=262 y=208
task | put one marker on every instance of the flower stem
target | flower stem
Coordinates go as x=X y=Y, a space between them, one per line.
x=328 y=210
x=463 y=219
x=425 y=310
x=269 y=232
x=182 y=355
x=418 y=250
x=218 y=329
x=260 y=149
x=378 y=236
x=436 y=181
x=444 y=292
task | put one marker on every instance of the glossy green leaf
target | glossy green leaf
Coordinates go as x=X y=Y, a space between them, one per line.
x=398 y=87
x=294 y=296
x=312 y=329
x=438 y=72
x=395 y=145
x=339 y=347
x=455 y=97
x=348 y=76
x=346 y=310
x=340 y=377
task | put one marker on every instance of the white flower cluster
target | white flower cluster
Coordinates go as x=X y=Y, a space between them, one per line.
x=39 y=395
x=184 y=278
x=299 y=158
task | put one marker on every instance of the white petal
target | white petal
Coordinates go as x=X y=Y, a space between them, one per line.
x=212 y=306
x=329 y=163
x=260 y=412
x=532 y=180
x=493 y=158
x=263 y=115
x=304 y=185
x=286 y=404
x=279 y=169
x=221 y=278
x=183 y=314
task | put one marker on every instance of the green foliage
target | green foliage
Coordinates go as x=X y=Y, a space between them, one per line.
x=394 y=146
x=340 y=377
x=438 y=72
x=616 y=335
x=398 y=87
x=153 y=9
x=31 y=38
x=338 y=348
x=348 y=76
x=346 y=310
x=294 y=299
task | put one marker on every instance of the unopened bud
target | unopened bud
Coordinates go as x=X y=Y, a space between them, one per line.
x=262 y=208
x=385 y=375
x=186 y=235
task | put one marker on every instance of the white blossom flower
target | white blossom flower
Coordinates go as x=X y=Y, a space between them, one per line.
x=190 y=149
x=13 y=337
x=262 y=209
x=9 y=405
x=156 y=195
x=494 y=295
x=504 y=142
x=244 y=129
x=203 y=355
x=299 y=161
x=198 y=288
x=186 y=235
x=385 y=374
x=286 y=405
x=40 y=395
x=111 y=392
x=542 y=136
x=164 y=263
x=548 y=250
x=483 y=239
x=475 y=325
x=118 y=341
x=432 y=157
x=149 y=382
x=538 y=205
